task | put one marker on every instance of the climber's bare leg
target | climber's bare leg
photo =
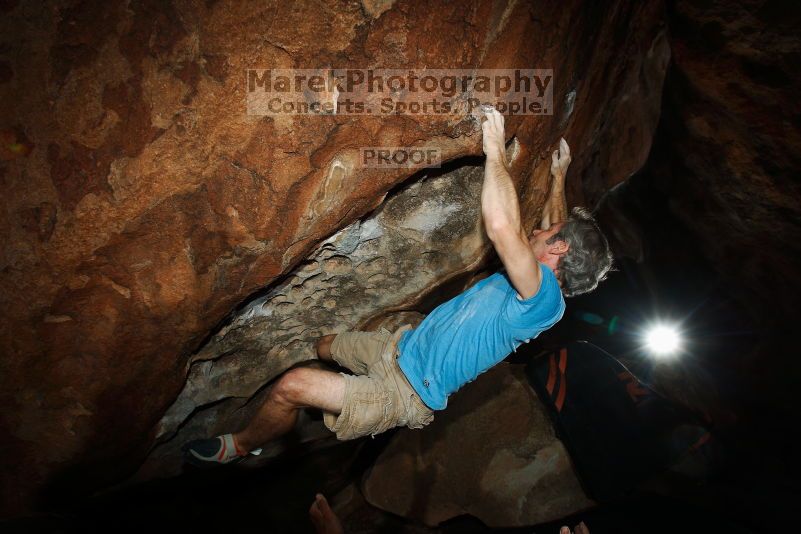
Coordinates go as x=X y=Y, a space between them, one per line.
x=298 y=388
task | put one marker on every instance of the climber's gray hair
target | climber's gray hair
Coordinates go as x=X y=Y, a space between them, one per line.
x=588 y=260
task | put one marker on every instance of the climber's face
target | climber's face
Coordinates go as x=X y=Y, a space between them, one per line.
x=545 y=252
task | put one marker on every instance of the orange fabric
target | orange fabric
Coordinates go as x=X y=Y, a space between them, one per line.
x=560 y=397
x=633 y=387
x=551 y=375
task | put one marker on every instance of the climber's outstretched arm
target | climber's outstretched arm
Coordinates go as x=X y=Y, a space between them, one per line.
x=555 y=209
x=500 y=210
x=500 y=207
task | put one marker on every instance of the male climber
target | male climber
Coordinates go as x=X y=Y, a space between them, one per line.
x=400 y=379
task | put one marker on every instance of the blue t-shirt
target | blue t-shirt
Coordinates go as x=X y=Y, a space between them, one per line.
x=472 y=332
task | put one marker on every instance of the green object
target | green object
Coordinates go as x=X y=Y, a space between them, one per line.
x=591 y=318
x=612 y=325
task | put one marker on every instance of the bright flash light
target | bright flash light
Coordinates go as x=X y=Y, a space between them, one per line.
x=662 y=340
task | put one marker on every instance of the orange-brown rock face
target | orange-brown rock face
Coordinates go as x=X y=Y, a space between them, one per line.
x=141 y=203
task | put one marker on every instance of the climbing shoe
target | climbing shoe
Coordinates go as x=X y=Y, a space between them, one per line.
x=214 y=451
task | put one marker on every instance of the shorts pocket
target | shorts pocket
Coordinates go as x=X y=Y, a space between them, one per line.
x=371 y=413
x=419 y=415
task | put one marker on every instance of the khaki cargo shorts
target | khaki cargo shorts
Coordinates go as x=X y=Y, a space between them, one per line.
x=378 y=397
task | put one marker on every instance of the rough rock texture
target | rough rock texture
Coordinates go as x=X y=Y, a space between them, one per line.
x=387 y=261
x=492 y=454
x=142 y=204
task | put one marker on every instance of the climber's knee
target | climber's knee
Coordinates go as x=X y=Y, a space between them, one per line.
x=289 y=387
x=309 y=387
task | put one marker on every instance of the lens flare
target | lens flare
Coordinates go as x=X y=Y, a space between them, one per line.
x=662 y=340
